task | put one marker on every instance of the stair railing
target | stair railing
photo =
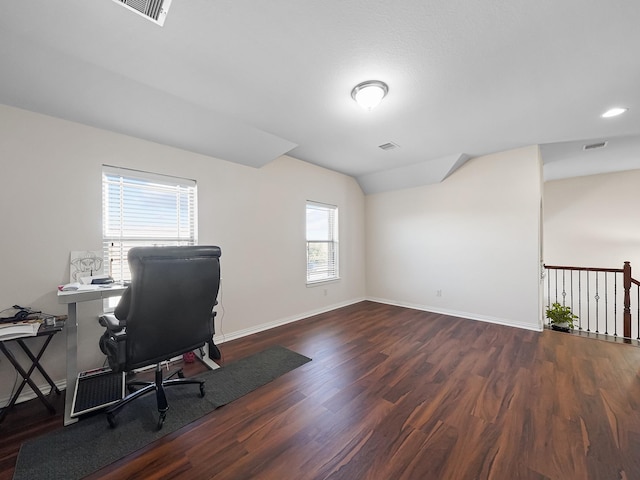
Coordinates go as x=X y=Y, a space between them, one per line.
x=603 y=298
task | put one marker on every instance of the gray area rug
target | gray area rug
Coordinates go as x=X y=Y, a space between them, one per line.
x=82 y=448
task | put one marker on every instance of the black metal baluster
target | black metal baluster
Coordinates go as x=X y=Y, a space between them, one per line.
x=588 y=302
x=638 y=315
x=579 y=300
x=597 y=298
x=571 y=288
x=606 y=310
x=615 y=304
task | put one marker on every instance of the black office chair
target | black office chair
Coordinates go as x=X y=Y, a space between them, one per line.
x=166 y=311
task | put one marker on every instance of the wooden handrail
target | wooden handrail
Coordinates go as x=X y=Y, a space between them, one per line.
x=588 y=269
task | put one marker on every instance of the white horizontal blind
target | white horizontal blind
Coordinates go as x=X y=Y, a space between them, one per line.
x=144 y=209
x=322 y=242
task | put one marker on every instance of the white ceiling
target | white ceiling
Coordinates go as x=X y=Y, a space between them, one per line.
x=248 y=80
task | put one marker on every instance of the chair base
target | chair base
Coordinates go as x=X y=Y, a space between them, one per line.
x=158 y=386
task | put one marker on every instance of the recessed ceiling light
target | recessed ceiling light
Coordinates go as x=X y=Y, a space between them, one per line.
x=614 y=112
x=369 y=94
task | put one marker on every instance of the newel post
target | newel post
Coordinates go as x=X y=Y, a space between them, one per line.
x=626 y=273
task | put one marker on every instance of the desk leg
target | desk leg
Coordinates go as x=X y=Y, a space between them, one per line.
x=36 y=361
x=71 y=326
x=206 y=359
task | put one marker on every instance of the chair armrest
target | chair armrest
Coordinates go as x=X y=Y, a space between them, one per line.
x=111 y=323
x=113 y=344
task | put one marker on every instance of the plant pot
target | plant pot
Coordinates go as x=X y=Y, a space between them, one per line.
x=561 y=327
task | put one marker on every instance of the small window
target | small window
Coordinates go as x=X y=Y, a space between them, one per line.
x=143 y=209
x=322 y=242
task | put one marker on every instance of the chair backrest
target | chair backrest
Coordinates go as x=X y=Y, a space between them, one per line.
x=172 y=294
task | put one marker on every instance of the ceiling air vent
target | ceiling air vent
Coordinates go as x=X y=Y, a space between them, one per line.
x=154 y=10
x=594 y=146
x=388 y=146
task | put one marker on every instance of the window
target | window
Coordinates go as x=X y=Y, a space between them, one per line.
x=144 y=209
x=322 y=242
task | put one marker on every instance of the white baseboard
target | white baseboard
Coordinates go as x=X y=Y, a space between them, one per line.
x=227 y=337
x=218 y=339
x=28 y=394
x=222 y=337
x=455 y=313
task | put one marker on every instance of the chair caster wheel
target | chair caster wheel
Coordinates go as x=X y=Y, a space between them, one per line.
x=163 y=415
x=111 y=419
x=202 y=391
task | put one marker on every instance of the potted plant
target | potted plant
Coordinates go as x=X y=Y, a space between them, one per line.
x=560 y=317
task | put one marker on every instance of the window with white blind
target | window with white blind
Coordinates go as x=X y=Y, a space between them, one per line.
x=144 y=209
x=322 y=242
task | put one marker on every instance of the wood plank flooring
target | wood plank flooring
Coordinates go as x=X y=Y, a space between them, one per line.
x=394 y=393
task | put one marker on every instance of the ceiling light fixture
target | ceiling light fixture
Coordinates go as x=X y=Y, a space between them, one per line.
x=614 y=112
x=369 y=94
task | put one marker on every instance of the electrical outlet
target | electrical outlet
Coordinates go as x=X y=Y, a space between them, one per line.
x=438 y=293
x=325 y=292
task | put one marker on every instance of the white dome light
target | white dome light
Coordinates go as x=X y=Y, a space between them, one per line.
x=369 y=94
x=614 y=112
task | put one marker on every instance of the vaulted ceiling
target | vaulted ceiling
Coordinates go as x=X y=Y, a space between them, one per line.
x=248 y=81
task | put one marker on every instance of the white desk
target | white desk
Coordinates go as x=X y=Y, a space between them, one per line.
x=71 y=299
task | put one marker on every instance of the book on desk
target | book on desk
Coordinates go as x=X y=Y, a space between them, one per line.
x=29 y=327
x=24 y=328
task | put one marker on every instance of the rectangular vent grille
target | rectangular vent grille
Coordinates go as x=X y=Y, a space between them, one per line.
x=594 y=146
x=154 y=10
x=388 y=146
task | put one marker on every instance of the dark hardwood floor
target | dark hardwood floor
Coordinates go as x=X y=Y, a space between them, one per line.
x=394 y=393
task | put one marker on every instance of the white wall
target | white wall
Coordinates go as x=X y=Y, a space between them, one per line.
x=593 y=221
x=475 y=237
x=51 y=205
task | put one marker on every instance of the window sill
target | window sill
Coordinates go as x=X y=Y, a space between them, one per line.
x=316 y=283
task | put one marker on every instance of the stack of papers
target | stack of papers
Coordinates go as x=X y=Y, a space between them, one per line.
x=9 y=331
